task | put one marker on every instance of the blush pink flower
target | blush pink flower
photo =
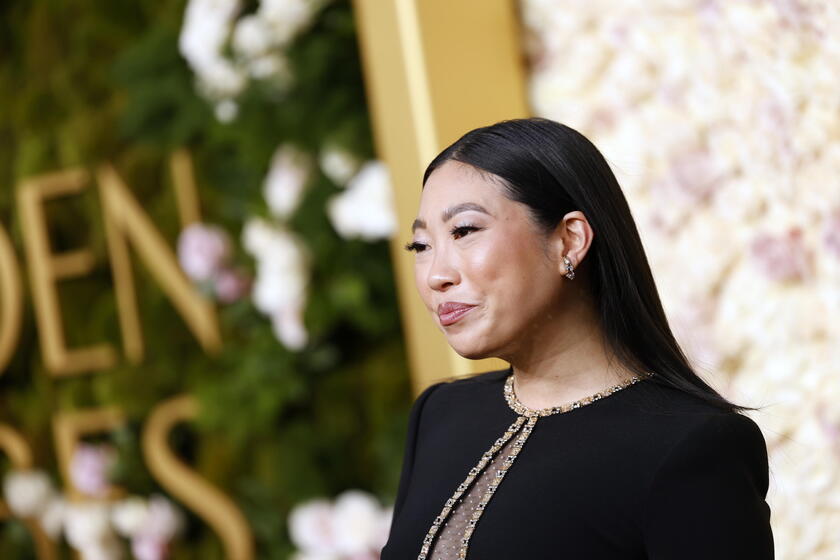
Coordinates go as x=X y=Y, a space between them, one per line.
x=163 y=520
x=312 y=528
x=693 y=177
x=781 y=257
x=231 y=285
x=203 y=250
x=160 y=524
x=89 y=469
x=830 y=428
x=149 y=547
x=832 y=234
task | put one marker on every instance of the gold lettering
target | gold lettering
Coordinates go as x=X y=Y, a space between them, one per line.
x=185 y=191
x=125 y=221
x=11 y=300
x=46 y=268
x=216 y=508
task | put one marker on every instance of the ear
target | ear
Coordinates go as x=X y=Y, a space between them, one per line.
x=572 y=237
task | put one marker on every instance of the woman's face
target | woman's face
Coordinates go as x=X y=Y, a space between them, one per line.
x=481 y=267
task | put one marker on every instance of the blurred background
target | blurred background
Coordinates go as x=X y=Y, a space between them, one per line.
x=209 y=338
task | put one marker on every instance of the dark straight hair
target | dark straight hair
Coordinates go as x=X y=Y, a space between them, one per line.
x=553 y=170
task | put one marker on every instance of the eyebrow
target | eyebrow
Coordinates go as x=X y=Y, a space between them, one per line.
x=451 y=211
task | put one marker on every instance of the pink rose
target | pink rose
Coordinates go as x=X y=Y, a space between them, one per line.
x=693 y=177
x=832 y=234
x=312 y=528
x=830 y=428
x=89 y=469
x=781 y=257
x=231 y=285
x=163 y=520
x=203 y=250
x=149 y=547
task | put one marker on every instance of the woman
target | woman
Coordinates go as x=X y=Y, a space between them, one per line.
x=599 y=441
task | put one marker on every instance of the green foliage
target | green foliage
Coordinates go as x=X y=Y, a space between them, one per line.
x=87 y=81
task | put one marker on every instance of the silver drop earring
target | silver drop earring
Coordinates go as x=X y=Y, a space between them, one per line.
x=570 y=270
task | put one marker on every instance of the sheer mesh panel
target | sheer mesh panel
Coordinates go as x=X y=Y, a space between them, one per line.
x=449 y=537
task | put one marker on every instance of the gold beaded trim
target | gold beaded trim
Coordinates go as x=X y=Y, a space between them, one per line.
x=520 y=408
x=532 y=417
x=491 y=489
x=474 y=472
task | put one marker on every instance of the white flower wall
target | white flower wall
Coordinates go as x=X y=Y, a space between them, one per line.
x=721 y=120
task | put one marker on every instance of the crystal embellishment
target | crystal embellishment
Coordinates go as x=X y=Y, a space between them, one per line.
x=523 y=426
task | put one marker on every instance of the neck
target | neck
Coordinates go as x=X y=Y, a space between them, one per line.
x=564 y=361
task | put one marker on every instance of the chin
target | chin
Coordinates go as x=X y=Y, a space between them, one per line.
x=470 y=351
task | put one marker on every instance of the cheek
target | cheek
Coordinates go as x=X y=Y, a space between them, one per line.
x=419 y=279
x=420 y=276
x=513 y=276
x=501 y=262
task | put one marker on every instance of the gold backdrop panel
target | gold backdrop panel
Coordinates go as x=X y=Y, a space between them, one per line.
x=434 y=70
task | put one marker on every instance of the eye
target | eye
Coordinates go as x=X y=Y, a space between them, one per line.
x=414 y=246
x=457 y=231
x=460 y=231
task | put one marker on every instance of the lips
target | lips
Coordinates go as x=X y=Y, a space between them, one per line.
x=452 y=311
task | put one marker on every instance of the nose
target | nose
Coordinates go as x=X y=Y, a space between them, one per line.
x=442 y=273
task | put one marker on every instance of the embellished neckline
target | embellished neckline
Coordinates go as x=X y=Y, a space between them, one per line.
x=522 y=410
x=521 y=428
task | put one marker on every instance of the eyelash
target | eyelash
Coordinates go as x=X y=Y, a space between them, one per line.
x=418 y=247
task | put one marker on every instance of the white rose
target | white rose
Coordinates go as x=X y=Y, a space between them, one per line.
x=207 y=25
x=286 y=179
x=281 y=270
x=273 y=292
x=356 y=522
x=338 y=164
x=312 y=528
x=87 y=525
x=256 y=236
x=279 y=289
x=108 y=549
x=27 y=492
x=385 y=520
x=314 y=556
x=365 y=209
x=226 y=110
x=205 y=29
x=52 y=517
x=163 y=520
x=274 y=66
x=128 y=515
x=251 y=36
x=218 y=78
x=287 y=18
x=288 y=327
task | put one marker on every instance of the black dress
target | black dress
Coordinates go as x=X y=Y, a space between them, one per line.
x=647 y=472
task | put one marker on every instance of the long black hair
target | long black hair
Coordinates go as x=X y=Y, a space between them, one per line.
x=553 y=169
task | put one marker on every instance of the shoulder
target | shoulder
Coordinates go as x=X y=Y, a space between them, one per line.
x=719 y=436
x=665 y=432
x=709 y=489
x=693 y=421
x=461 y=393
x=720 y=453
x=460 y=384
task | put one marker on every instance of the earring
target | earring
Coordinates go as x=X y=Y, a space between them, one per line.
x=570 y=270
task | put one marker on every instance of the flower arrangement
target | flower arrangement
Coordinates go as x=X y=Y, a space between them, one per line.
x=93 y=527
x=269 y=101
x=258 y=42
x=720 y=120
x=352 y=527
